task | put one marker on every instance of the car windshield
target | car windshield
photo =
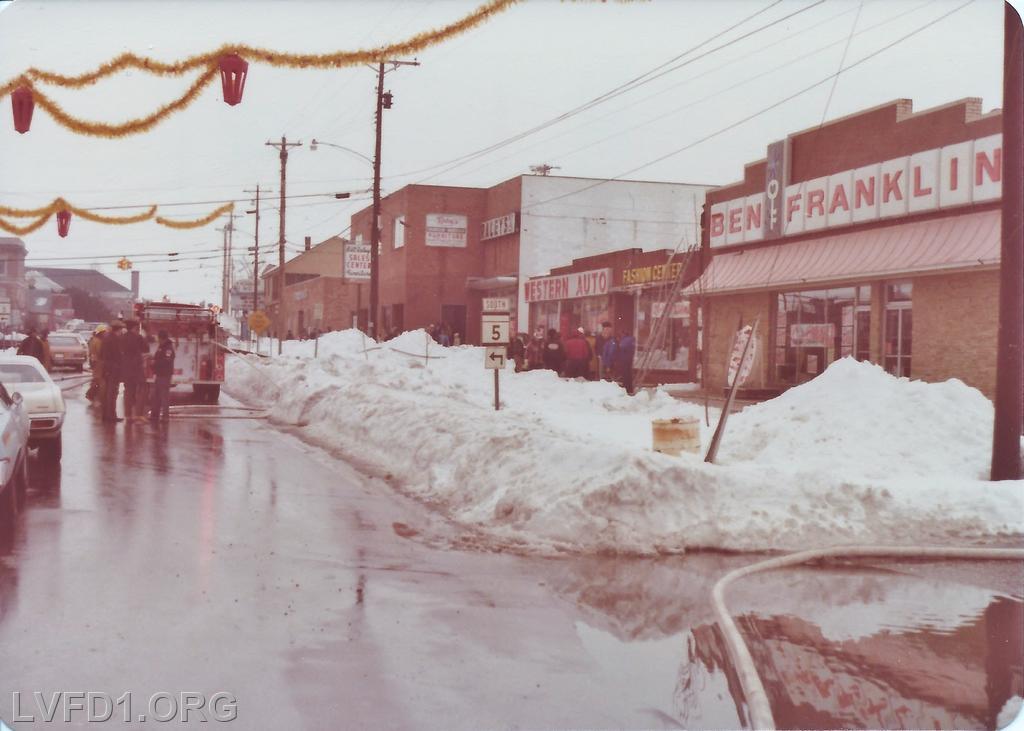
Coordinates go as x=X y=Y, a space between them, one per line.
x=63 y=341
x=19 y=373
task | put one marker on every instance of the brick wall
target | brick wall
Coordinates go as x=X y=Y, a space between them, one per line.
x=721 y=319
x=956 y=322
x=337 y=298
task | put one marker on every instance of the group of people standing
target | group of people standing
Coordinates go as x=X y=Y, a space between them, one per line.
x=118 y=355
x=602 y=356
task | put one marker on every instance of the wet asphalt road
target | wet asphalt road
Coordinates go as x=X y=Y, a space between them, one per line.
x=220 y=555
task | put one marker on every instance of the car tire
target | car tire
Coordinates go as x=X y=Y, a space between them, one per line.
x=51 y=449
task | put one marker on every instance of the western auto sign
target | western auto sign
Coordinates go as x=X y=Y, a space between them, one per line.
x=446 y=229
x=955 y=175
x=568 y=286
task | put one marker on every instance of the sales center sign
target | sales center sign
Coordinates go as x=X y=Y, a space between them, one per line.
x=955 y=175
x=568 y=286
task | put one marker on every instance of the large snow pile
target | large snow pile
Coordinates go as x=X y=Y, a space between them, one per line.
x=855 y=456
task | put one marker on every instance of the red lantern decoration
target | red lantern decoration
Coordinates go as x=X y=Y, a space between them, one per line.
x=233 y=70
x=63 y=222
x=22 y=105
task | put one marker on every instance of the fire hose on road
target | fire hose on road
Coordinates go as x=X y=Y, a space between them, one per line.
x=753 y=689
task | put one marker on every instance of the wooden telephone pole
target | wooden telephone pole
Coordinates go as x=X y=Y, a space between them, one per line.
x=383 y=102
x=282 y=320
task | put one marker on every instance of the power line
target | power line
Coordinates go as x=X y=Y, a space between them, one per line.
x=635 y=83
x=754 y=115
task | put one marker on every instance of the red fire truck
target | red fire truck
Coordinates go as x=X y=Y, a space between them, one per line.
x=198 y=341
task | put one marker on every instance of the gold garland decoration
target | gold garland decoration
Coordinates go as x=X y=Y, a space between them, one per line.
x=197 y=223
x=42 y=215
x=210 y=61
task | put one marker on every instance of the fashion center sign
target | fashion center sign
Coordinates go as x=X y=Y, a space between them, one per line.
x=955 y=175
x=568 y=286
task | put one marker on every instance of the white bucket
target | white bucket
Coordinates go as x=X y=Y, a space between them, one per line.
x=674 y=436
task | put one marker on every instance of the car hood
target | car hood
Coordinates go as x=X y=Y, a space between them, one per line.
x=39 y=397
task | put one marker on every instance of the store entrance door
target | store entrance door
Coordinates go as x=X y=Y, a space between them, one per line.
x=454 y=316
x=625 y=313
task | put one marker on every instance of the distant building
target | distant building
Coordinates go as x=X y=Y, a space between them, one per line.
x=316 y=294
x=48 y=306
x=12 y=283
x=115 y=297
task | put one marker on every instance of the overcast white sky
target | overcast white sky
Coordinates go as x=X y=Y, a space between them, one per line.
x=526 y=66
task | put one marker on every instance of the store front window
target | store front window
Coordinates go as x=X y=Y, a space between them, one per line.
x=587 y=312
x=815 y=327
x=664 y=335
x=545 y=316
x=898 y=328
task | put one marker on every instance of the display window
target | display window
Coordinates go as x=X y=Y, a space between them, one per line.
x=815 y=327
x=664 y=335
x=545 y=316
x=586 y=312
x=898 y=328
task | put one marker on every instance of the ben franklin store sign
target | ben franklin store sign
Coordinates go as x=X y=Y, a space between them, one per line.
x=568 y=286
x=955 y=175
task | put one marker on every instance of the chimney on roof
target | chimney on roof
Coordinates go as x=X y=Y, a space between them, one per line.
x=135 y=285
x=309 y=243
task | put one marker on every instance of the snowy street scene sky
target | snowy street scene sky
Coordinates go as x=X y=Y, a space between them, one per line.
x=540 y=83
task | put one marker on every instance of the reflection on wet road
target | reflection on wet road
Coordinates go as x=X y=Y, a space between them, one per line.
x=210 y=555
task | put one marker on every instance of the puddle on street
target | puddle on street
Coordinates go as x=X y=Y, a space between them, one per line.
x=881 y=645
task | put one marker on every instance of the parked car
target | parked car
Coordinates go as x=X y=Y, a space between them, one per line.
x=68 y=350
x=14 y=435
x=42 y=401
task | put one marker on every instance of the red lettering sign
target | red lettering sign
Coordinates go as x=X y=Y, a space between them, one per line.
x=717 y=224
x=792 y=206
x=754 y=217
x=864 y=193
x=918 y=190
x=891 y=186
x=994 y=168
x=839 y=199
x=735 y=215
x=815 y=199
x=954 y=173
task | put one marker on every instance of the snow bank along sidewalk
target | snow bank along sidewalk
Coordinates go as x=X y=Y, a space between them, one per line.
x=854 y=456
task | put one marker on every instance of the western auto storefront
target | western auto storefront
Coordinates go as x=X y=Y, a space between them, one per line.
x=638 y=292
x=875 y=237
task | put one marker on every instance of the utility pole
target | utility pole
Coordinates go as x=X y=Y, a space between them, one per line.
x=1009 y=400
x=226 y=262
x=282 y=148
x=256 y=252
x=383 y=102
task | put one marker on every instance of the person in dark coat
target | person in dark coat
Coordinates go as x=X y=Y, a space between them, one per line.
x=554 y=353
x=133 y=372
x=32 y=345
x=535 y=351
x=624 y=354
x=600 y=341
x=517 y=351
x=163 y=370
x=608 y=358
x=111 y=356
x=577 y=355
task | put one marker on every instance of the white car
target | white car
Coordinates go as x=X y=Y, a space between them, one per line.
x=14 y=430
x=43 y=402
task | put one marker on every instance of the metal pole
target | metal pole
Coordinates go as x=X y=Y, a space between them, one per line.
x=256 y=258
x=375 y=222
x=1009 y=395
x=496 y=389
x=281 y=321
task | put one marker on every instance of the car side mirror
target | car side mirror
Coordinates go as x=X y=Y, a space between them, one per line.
x=17 y=398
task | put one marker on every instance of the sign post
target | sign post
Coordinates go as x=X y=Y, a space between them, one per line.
x=741 y=362
x=494 y=329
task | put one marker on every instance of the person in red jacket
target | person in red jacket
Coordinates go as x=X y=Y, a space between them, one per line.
x=577 y=355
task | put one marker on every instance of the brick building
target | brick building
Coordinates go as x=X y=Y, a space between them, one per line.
x=875 y=236
x=13 y=287
x=443 y=249
x=317 y=295
x=639 y=292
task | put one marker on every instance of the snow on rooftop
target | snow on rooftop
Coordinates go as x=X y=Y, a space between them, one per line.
x=854 y=456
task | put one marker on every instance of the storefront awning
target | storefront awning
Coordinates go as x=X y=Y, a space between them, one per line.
x=955 y=242
x=485 y=283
